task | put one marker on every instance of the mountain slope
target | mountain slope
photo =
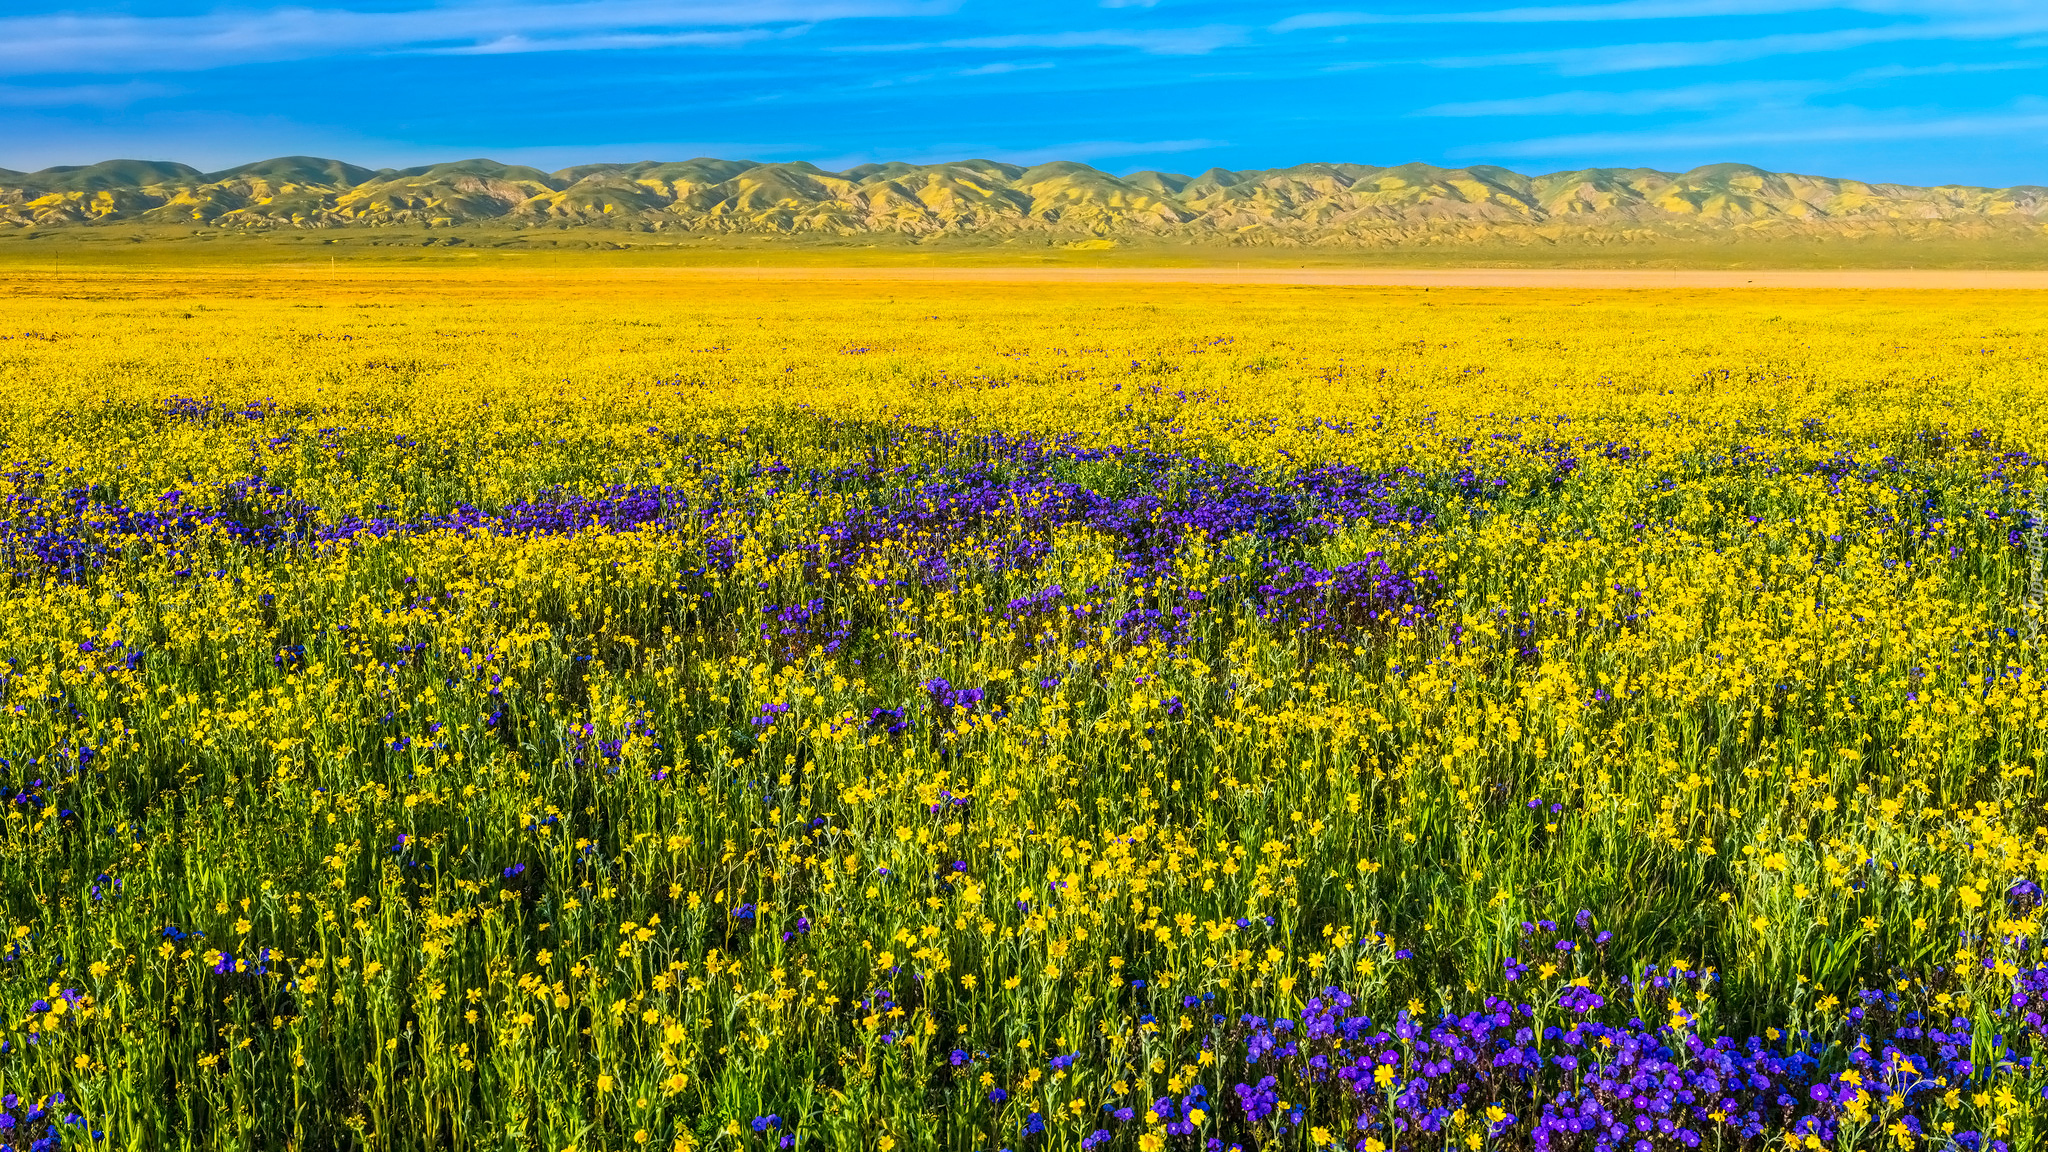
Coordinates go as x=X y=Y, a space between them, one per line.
x=1310 y=204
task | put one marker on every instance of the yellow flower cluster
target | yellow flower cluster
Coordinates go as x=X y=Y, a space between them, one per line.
x=625 y=710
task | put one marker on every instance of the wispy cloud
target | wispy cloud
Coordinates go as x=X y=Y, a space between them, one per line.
x=1913 y=71
x=1605 y=59
x=553 y=156
x=1692 y=97
x=120 y=43
x=1102 y=150
x=1003 y=67
x=81 y=95
x=600 y=42
x=1629 y=10
x=904 y=79
x=1079 y=150
x=1695 y=138
x=1154 y=41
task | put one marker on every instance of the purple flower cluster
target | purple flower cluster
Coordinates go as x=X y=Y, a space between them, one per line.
x=1553 y=1075
x=586 y=749
x=1001 y=509
x=78 y=530
x=228 y=964
x=947 y=699
x=41 y=1126
x=1366 y=596
x=893 y=721
x=774 y=1128
x=792 y=630
x=996 y=506
x=207 y=410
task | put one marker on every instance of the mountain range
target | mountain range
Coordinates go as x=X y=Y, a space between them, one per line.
x=1058 y=202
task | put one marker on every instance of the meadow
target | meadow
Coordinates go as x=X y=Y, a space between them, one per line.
x=597 y=248
x=454 y=707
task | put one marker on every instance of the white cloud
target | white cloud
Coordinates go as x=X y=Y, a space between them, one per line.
x=550 y=157
x=32 y=139
x=1732 y=136
x=1081 y=150
x=1002 y=68
x=603 y=41
x=1693 y=97
x=1909 y=71
x=1652 y=10
x=118 y=43
x=81 y=95
x=901 y=79
x=1102 y=149
x=1158 y=42
x=1613 y=58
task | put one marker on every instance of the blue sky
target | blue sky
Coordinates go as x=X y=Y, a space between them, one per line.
x=1918 y=91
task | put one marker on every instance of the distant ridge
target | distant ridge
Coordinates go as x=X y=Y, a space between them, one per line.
x=1062 y=201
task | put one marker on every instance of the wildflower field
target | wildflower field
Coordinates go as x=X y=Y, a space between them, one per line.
x=475 y=710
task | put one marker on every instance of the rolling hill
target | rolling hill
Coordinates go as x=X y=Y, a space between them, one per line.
x=1059 y=202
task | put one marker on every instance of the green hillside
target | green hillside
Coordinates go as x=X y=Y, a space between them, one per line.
x=1320 y=205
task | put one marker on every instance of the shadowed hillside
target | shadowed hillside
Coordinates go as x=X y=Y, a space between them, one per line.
x=1343 y=205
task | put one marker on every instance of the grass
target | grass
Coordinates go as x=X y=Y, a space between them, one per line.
x=594 y=247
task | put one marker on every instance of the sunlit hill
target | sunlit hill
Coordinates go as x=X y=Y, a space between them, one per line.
x=1060 y=202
